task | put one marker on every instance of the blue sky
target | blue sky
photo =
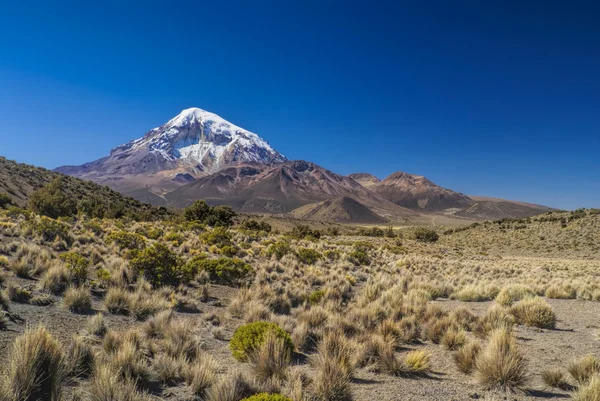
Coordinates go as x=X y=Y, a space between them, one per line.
x=493 y=98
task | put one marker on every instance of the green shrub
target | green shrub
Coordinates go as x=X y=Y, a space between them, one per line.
x=359 y=257
x=52 y=201
x=5 y=199
x=308 y=256
x=424 y=234
x=316 y=296
x=267 y=397
x=175 y=238
x=77 y=265
x=303 y=231
x=218 y=216
x=248 y=338
x=127 y=240
x=254 y=225
x=49 y=229
x=229 y=251
x=332 y=254
x=279 y=249
x=219 y=237
x=222 y=270
x=160 y=266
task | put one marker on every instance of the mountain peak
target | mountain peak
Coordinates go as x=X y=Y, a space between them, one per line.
x=196 y=114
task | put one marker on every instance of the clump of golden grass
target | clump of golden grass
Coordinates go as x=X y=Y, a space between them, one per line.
x=107 y=384
x=534 y=312
x=35 y=368
x=511 y=294
x=589 y=391
x=231 y=387
x=80 y=358
x=495 y=318
x=555 y=378
x=272 y=359
x=78 y=299
x=501 y=365
x=582 y=369
x=453 y=339
x=565 y=291
x=466 y=357
x=200 y=375
x=334 y=365
x=96 y=325
x=418 y=362
x=117 y=300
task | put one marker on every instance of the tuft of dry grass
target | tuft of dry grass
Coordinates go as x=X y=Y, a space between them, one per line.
x=80 y=358
x=334 y=364
x=466 y=357
x=96 y=325
x=501 y=365
x=78 y=299
x=418 y=362
x=453 y=339
x=231 y=387
x=200 y=375
x=582 y=369
x=511 y=294
x=555 y=378
x=107 y=384
x=117 y=301
x=272 y=359
x=534 y=312
x=589 y=391
x=35 y=368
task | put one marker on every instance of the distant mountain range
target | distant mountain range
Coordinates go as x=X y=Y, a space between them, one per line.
x=199 y=155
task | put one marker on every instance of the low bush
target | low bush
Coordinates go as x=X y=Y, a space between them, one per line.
x=534 y=312
x=35 y=369
x=77 y=266
x=308 y=256
x=247 y=339
x=160 y=266
x=279 y=249
x=127 y=240
x=501 y=365
x=267 y=397
x=222 y=270
x=424 y=234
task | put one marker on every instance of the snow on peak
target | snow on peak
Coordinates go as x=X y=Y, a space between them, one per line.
x=200 y=137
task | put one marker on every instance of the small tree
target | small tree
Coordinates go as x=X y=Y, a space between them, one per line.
x=52 y=201
x=5 y=199
x=198 y=211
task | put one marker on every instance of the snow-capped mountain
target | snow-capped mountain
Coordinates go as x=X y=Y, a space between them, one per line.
x=203 y=140
x=192 y=144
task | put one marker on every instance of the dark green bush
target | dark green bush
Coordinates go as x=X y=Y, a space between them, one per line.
x=49 y=229
x=279 y=249
x=248 y=339
x=424 y=234
x=52 y=201
x=308 y=256
x=254 y=225
x=219 y=237
x=303 y=231
x=217 y=216
x=77 y=265
x=222 y=270
x=127 y=240
x=267 y=397
x=160 y=266
x=332 y=254
x=5 y=200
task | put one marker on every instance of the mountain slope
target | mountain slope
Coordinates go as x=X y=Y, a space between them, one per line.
x=192 y=144
x=365 y=179
x=19 y=181
x=417 y=192
x=280 y=189
x=492 y=208
x=340 y=210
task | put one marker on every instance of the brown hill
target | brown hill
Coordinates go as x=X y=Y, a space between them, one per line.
x=417 y=192
x=365 y=179
x=19 y=181
x=280 y=189
x=493 y=208
x=339 y=210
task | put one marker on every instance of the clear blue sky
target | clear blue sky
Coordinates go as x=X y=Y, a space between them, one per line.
x=496 y=98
